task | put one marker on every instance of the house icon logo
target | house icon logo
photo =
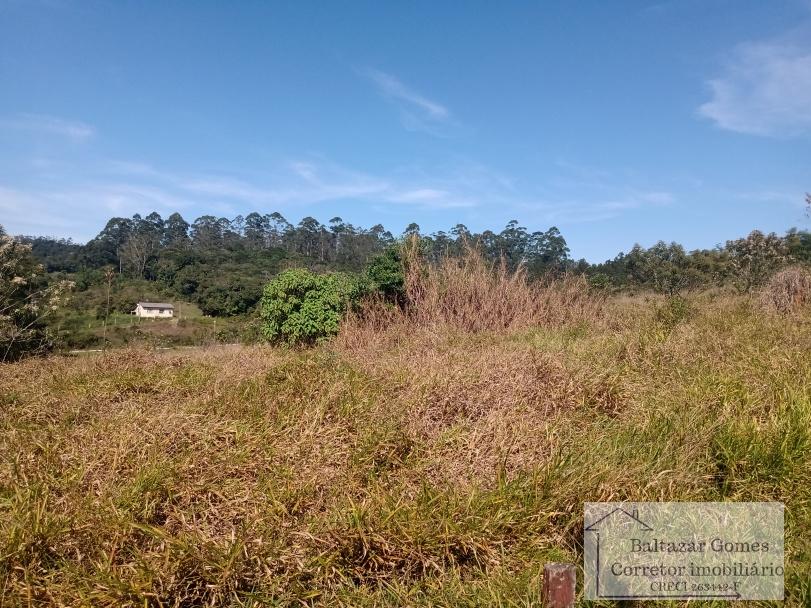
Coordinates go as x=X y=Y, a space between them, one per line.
x=616 y=514
x=623 y=518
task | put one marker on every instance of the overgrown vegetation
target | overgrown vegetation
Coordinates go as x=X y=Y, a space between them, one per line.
x=27 y=299
x=433 y=454
x=788 y=291
x=434 y=443
x=220 y=266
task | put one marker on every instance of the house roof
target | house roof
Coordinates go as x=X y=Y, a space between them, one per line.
x=154 y=305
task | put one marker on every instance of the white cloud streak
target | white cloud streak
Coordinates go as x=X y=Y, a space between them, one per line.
x=599 y=207
x=65 y=205
x=765 y=89
x=41 y=123
x=307 y=182
x=72 y=205
x=417 y=112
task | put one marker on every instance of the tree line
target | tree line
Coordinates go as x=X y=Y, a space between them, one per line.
x=667 y=268
x=135 y=244
x=222 y=264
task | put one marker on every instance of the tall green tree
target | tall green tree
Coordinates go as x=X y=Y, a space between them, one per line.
x=176 y=232
x=664 y=267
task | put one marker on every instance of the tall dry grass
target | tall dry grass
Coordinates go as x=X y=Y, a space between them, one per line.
x=788 y=291
x=468 y=293
x=472 y=294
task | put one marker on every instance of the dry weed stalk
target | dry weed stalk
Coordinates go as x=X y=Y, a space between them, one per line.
x=470 y=294
x=788 y=291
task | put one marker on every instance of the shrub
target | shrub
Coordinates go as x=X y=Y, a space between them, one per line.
x=385 y=273
x=26 y=300
x=300 y=307
x=788 y=291
x=673 y=311
x=754 y=258
x=599 y=282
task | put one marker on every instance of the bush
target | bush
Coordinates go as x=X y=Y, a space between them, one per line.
x=386 y=275
x=300 y=307
x=26 y=300
x=788 y=291
x=599 y=282
x=753 y=259
x=673 y=311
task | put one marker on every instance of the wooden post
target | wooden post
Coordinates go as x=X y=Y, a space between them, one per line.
x=559 y=585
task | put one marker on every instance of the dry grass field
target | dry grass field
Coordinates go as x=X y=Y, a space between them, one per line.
x=413 y=461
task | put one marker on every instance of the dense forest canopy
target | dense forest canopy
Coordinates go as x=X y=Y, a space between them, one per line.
x=135 y=244
x=222 y=264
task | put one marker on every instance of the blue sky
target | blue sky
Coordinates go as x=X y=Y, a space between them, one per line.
x=618 y=122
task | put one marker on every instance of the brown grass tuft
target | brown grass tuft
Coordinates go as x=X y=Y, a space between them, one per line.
x=479 y=405
x=471 y=294
x=788 y=291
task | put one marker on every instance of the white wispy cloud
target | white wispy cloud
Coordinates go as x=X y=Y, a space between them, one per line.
x=579 y=193
x=420 y=195
x=44 y=213
x=313 y=181
x=417 y=112
x=73 y=201
x=765 y=89
x=296 y=186
x=393 y=88
x=596 y=207
x=42 y=123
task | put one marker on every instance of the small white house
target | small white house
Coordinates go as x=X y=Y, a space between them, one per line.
x=154 y=310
